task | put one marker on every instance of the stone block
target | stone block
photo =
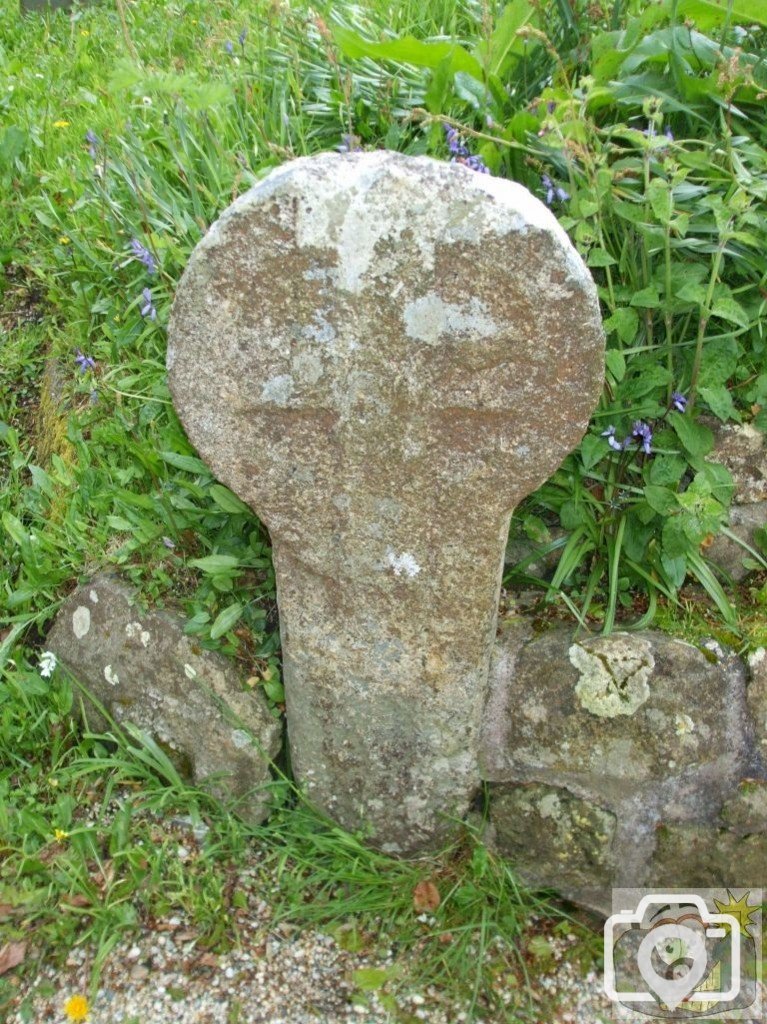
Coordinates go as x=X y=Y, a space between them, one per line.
x=143 y=669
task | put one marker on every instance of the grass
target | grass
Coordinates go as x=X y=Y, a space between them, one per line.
x=134 y=121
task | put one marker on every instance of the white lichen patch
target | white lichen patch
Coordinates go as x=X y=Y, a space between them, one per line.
x=549 y=806
x=404 y=564
x=429 y=318
x=81 y=621
x=94 y=597
x=757 y=657
x=683 y=725
x=135 y=629
x=277 y=390
x=614 y=674
x=240 y=739
x=111 y=677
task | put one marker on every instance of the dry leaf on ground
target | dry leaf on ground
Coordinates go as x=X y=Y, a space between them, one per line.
x=11 y=955
x=426 y=896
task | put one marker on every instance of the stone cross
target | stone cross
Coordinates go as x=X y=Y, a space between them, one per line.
x=383 y=355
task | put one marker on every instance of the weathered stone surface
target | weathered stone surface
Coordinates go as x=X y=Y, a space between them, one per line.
x=554 y=839
x=143 y=669
x=382 y=355
x=743 y=450
x=744 y=521
x=646 y=728
x=756 y=696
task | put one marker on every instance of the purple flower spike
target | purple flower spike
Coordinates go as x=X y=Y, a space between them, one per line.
x=148 y=309
x=460 y=152
x=143 y=255
x=610 y=435
x=242 y=36
x=551 y=106
x=642 y=433
x=669 y=135
x=229 y=46
x=85 y=362
x=553 y=192
x=92 y=139
x=679 y=401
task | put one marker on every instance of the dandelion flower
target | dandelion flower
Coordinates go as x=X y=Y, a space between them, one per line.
x=61 y=124
x=76 y=1008
x=59 y=835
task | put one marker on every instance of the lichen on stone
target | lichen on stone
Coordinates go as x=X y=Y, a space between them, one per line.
x=614 y=674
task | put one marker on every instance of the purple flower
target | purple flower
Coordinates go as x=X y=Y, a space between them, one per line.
x=143 y=255
x=229 y=46
x=148 y=309
x=669 y=135
x=553 y=191
x=241 y=37
x=551 y=106
x=611 y=440
x=460 y=152
x=93 y=397
x=168 y=543
x=84 y=362
x=679 y=401
x=642 y=434
x=92 y=139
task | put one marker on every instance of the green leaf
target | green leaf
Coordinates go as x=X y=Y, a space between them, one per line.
x=719 y=401
x=189 y=463
x=599 y=258
x=710 y=13
x=14 y=529
x=496 y=52
x=661 y=499
x=408 y=50
x=646 y=297
x=726 y=308
x=12 y=145
x=368 y=979
x=216 y=563
x=659 y=194
x=695 y=437
x=666 y=469
x=225 y=620
x=624 y=322
x=593 y=450
x=616 y=364
x=229 y=502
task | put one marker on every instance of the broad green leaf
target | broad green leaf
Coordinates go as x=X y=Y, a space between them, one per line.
x=408 y=50
x=709 y=13
x=624 y=322
x=593 y=450
x=370 y=978
x=189 y=463
x=659 y=194
x=504 y=43
x=225 y=620
x=727 y=308
x=719 y=401
x=12 y=145
x=616 y=364
x=646 y=297
x=660 y=499
x=666 y=469
x=216 y=563
x=14 y=529
x=229 y=502
x=695 y=437
x=598 y=257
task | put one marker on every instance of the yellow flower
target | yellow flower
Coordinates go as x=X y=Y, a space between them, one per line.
x=60 y=834
x=76 y=1008
x=84 y=32
x=63 y=240
x=61 y=124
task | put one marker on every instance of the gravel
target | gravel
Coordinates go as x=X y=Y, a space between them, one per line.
x=288 y=977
